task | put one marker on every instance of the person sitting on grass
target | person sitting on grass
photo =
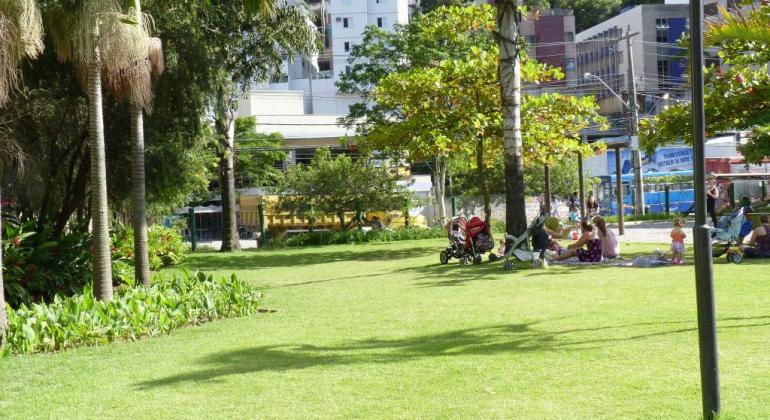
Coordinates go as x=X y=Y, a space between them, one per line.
x=610 y=245
x=593 y=246
x=759 y=244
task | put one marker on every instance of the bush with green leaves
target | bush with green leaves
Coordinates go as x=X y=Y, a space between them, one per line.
x=37 y=265
x=172 y=302
x=338 y=237
x=165 y=246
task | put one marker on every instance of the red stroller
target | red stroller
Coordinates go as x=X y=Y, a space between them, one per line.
x=468 y=240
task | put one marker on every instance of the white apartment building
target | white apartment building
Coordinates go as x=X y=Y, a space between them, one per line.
x=341 y=24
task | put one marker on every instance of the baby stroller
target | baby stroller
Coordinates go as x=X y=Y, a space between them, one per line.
x=519 y=246
x=726 y=236
x=468 y=240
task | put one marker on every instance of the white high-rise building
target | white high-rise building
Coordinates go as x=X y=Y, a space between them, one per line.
x=349 y=18
x=341 y=24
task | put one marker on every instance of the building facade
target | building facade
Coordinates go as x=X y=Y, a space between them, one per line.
x=659 y=65
x=341 y=24
x=550 y=35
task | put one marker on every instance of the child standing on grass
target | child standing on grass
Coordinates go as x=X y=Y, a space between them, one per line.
x=677 y=241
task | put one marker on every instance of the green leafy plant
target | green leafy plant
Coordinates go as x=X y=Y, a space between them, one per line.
x=172 y=302
x=165 y=245
x=39 y=264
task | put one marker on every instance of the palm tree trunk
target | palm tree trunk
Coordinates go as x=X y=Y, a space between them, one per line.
x=230 y=240
x=102 y=261
x=510 y=93
x=138 y=196
x=3 y=315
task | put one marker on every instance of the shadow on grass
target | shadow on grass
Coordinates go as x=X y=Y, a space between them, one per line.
x=490 y=340
x=252 y=260
x=454 y=274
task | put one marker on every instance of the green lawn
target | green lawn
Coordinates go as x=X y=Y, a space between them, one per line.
x=382 y=330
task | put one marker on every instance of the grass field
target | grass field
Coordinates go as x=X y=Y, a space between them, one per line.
x=384 y=331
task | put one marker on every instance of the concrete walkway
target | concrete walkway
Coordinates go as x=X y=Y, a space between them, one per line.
x=650 y=232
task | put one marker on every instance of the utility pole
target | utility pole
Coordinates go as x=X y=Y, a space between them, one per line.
x=508 y=18
x=704 y=271
x=634 y=128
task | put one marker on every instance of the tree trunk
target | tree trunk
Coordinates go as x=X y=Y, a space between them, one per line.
x=341 y=216
x=3 y=315
x=483 y=180
x=439 y=182
x=230 y=240
x=139 y=198
x=547 y=190
x=510 y=92
x=102 y=260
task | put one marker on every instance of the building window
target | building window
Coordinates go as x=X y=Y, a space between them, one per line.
x=570 y=64
x=345 y=22
x=663 y=79
x=661 y=30
x=377 y=1
x=347 y=70
x=380 y=22
x=569 y=36
x=346 y=46
x=530 y=39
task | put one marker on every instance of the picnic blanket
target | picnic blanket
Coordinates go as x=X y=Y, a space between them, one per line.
x=605 y=263
x=641 y=261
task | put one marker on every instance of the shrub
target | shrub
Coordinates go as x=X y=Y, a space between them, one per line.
x=39 y=265
x=164 y=245
x=356 y=237
x=177 y=301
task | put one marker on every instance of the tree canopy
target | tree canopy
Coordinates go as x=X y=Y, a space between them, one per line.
x=340 y=185
x=256 y=155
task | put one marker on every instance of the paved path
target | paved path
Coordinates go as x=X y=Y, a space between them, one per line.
x=650 y=232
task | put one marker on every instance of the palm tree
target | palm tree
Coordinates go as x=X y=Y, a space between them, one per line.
x=738 y=25
x=101 y=41
x=135 y=83
x=21 y=36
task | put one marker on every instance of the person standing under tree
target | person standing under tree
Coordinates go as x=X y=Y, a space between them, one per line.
x=712 y=194
x=592 y=204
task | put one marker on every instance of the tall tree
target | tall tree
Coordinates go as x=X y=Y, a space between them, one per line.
x=443 y=34
x=245 y=42
x=136 y=83
x=509 y=77
x=101 y=41
x=21 y=36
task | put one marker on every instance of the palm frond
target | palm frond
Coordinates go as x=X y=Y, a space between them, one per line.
x=9 y=59
x=155 y=55
x=264 y=8
x=751 y=26
x=21 y=35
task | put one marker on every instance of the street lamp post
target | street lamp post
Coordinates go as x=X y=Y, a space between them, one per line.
x=704 y=274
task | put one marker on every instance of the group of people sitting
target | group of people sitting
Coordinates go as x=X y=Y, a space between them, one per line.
x=595 y=242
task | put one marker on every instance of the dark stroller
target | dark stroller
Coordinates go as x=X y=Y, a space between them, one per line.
x=468 y=240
